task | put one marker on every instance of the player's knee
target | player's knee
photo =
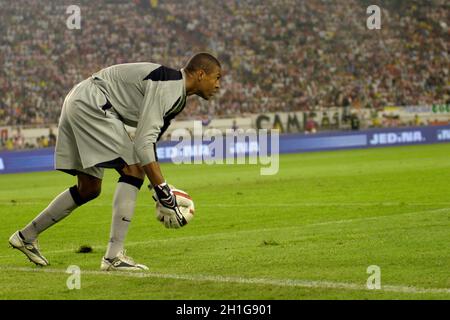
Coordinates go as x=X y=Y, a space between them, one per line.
x=91 y=193
x=131 y=180
x=134 y=171
x=88 y=188
x=84 y=194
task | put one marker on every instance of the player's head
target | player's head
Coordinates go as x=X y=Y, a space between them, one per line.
x=205 y=71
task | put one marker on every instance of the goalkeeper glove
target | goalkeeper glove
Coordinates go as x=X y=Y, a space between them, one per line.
x=173 y=218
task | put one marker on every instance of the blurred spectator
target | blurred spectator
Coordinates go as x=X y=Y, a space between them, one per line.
x=416 y=120
x=354 y=121
x=44 y=142
x=325 y=123
x=51 y=138
x=311 y=125
x=277 y=55
x=18 y=139
x=9 y=145
x=234 y=127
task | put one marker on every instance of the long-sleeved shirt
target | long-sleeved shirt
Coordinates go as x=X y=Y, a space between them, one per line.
x=146 y=96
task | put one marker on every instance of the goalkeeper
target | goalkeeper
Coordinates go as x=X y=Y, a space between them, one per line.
x=92 y=136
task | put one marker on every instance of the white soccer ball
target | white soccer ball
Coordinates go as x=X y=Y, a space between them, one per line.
x=185 y=204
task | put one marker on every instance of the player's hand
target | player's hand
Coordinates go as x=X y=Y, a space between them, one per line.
x=169 y=210
x=170 y=219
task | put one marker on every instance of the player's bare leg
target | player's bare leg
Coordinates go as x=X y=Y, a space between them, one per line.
x=124 y=202
x=25 y=240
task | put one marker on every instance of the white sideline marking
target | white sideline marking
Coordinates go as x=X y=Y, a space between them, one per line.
x=234 y=233
x=256 y=205
x=241 y=280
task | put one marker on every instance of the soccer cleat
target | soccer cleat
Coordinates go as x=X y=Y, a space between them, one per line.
x=30 y=249
x=121 y=263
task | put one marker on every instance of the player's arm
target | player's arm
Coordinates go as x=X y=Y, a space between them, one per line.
x=163 y=193
x=154 y=174
x=151 y=120
x=164 y=196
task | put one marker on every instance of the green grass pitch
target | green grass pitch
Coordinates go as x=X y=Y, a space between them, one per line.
x=309 y=232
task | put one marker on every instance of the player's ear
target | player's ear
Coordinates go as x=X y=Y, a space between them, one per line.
x=200 y=74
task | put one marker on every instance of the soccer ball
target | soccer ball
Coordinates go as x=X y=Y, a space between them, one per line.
x=185 y=204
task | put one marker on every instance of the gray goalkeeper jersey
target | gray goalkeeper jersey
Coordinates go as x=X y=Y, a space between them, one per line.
x=146 y=96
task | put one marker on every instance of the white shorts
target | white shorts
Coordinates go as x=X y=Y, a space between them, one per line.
x=90 y=138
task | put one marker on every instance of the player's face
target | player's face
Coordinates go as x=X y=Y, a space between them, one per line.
x=210 y=84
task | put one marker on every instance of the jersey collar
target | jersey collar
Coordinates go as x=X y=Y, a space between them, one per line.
x=183 y=74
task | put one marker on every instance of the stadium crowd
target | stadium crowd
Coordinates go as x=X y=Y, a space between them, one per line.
x=283 y=55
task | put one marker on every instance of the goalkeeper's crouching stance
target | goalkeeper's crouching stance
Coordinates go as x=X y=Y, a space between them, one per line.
x=92 y=137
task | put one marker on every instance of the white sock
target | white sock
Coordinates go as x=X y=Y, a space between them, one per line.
x=124 y=203
x=57 y=210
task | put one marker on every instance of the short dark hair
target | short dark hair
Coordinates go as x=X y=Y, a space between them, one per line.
x=202 y=61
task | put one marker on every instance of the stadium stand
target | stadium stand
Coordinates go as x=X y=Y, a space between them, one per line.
x=278 y=55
